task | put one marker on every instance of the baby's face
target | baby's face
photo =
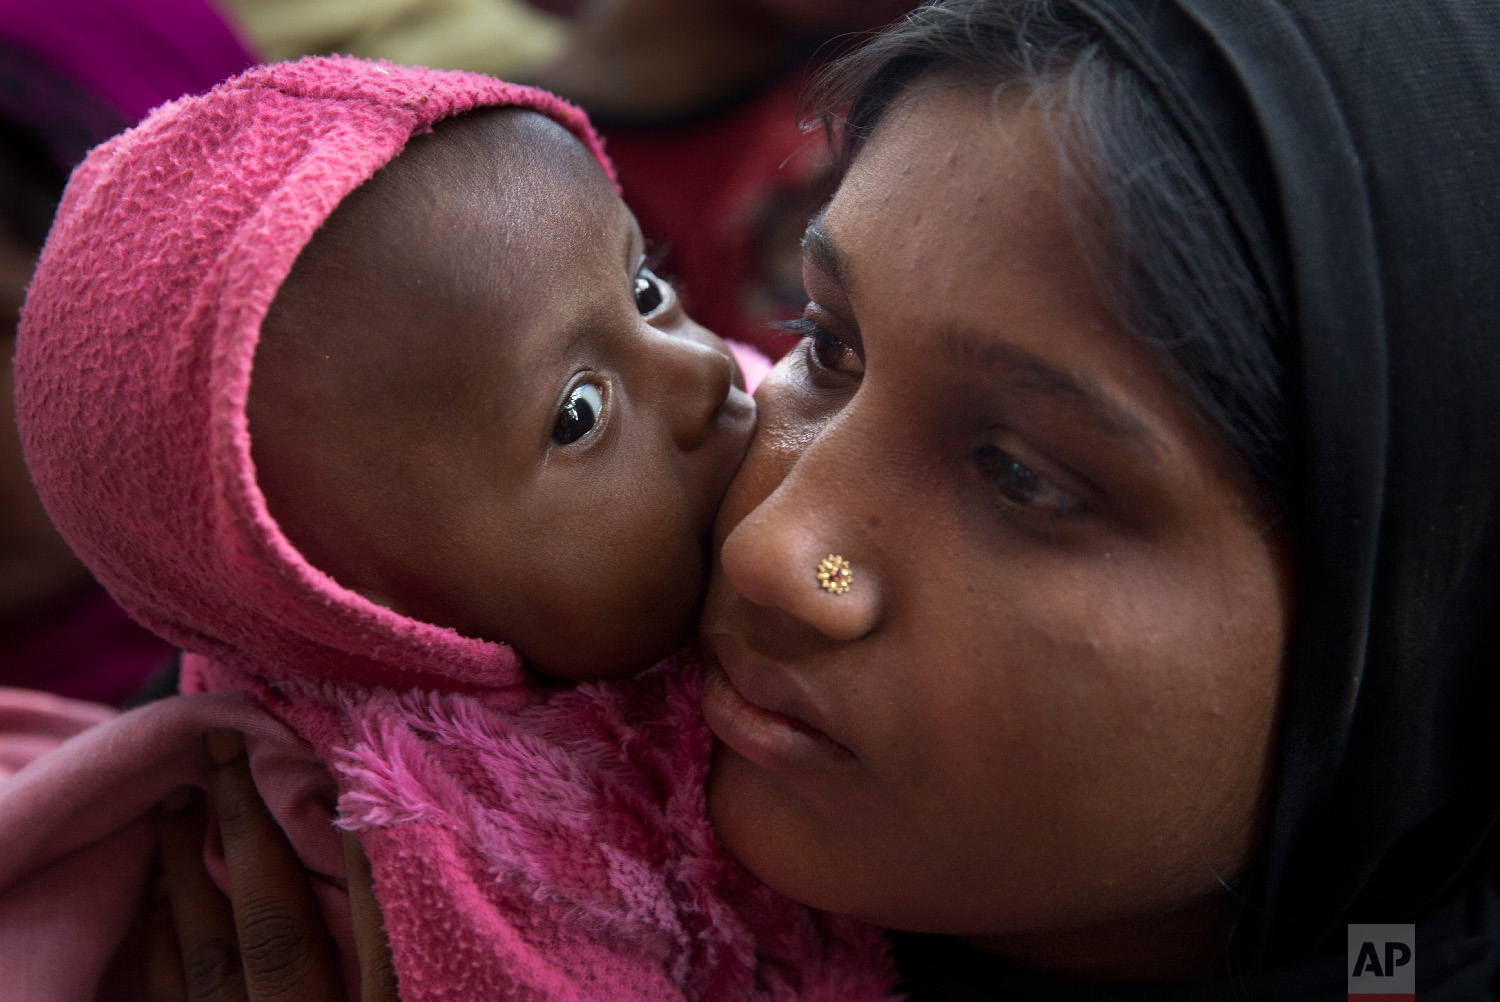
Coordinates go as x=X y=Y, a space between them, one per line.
x=475 y=404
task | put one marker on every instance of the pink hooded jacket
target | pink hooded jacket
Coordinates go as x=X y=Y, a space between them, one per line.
x=525 y=844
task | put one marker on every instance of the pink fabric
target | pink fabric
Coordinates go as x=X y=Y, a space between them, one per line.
x=134 y=351
x=33 y=723
x=74 y=840
x=527 y=844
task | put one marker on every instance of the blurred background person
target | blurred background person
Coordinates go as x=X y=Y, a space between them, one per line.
x=73 y=73
x=509 y=39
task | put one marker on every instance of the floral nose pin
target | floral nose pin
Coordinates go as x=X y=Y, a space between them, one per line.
x=834 y=574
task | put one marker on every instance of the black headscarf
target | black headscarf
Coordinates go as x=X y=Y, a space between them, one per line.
x=1357 y=147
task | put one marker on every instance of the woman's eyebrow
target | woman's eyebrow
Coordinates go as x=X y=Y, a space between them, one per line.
x=970 y=349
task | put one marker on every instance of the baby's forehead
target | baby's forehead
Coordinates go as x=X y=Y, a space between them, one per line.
x=478 y=188
x=468 y=225
x=494 y=142
x=498 y=152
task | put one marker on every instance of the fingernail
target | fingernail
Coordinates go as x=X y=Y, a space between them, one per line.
x=178 y=800
x=224 y=746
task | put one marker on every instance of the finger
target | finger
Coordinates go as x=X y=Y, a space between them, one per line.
x=284 y=944
x=164 y=977
x=377 y=973
x=201 y=916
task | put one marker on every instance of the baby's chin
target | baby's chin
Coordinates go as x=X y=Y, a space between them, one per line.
x=620 y=647
x=607 y=669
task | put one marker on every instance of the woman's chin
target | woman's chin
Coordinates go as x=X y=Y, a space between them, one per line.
x=773 y=832
x=754 y=820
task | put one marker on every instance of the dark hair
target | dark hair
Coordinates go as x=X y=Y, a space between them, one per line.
x=1172 y=262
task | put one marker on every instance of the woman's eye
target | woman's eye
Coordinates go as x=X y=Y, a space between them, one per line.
x=827 y=350
x=1020 y=486
x=578 y=415
x=824 y=349
x=650 y=291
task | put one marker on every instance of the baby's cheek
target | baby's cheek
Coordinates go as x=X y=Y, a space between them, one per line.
x=635 y=590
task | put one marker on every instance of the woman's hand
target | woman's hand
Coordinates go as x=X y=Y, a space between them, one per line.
x=267 y=940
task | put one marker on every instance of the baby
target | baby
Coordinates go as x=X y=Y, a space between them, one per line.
x=474 y=404
x=353 y=380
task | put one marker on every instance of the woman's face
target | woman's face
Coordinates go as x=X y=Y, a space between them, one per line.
x=1041 y=716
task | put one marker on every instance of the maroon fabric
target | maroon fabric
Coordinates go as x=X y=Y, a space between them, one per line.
x=84 y=648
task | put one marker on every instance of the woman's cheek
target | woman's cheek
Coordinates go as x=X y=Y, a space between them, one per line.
x=789 y=420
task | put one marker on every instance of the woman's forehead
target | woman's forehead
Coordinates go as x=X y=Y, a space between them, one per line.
x=950 y=175
x=962 y=201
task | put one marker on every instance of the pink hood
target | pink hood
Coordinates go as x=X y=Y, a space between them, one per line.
x=134 y=353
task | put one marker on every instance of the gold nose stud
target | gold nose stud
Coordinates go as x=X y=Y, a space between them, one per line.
x=834 y=574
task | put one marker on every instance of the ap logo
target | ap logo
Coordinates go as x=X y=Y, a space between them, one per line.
x=1382 y=963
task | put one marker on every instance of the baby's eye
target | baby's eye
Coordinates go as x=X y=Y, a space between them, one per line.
x=650 y=291
x=578 y=415
x=1020 y=486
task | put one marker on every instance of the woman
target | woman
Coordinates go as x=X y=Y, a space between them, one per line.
x=1148 y=404
x=1210 y=332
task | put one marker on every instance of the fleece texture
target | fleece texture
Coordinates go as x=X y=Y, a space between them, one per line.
x=527 y=843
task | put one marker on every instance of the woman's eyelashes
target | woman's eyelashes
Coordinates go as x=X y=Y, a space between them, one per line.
x=824 y=349
x=1020 y=487
x=579 y=414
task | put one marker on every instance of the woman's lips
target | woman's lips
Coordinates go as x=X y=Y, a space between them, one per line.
x=774 y=741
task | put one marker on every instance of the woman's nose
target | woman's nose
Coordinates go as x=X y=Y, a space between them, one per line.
x=693 y=378
x=810 y=550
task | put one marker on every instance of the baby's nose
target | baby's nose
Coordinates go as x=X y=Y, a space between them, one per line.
x=695 y=375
